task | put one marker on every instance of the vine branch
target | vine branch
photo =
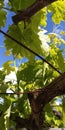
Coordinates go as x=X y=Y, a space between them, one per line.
x=38 y=102
x=56 y=88
x=31 y=10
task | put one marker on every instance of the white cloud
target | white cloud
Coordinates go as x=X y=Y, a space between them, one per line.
x=11 y=77
x=44 y=40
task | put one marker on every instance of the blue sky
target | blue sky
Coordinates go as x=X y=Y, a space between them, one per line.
x=49 y=27
x=4 y=58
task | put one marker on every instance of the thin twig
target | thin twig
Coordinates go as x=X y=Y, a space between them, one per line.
x=27 y=92
x=18 y=93
x=22 y=45
x=2 y=93
x=7 y=9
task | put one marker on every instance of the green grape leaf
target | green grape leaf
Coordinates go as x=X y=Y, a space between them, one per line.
x=24 y=108
x=6 y=117
x=62 y=32
x=38 y=19
x=2 y=18
x=61 y=61
x=32 y=40
x=5 y=104
x=58 y=11
x=20 y=4
x=44 y=17
x=2 y=75
x=7 y=67
x=5 y=107
x=8 y=52
x=26 y=36
x=16 y=49
x=63 y=110
x=3 y=87
x=1 y=3
x=26 y=70
x=2 y=125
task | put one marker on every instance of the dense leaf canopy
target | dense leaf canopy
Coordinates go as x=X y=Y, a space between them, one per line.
x=31 y=100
